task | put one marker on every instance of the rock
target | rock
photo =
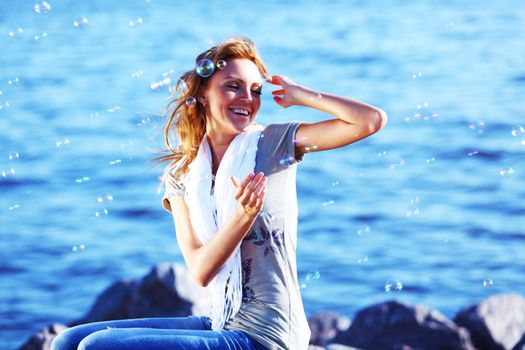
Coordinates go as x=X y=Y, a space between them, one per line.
x=325 y=326
x=42 y=340
x=167 y=291
x=496 y=323
x=393 y=325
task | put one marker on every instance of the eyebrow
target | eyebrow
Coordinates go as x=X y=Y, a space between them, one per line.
x=260 y=82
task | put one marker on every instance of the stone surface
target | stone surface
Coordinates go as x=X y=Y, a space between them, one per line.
x=497 y=323
x=167 y=291
x=394 y=325
x=325 y=326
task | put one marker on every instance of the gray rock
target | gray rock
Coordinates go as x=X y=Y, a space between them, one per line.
x=167 y=291
x=394 y=325
x=42 y=340
x=325 y=326
x=496 y=323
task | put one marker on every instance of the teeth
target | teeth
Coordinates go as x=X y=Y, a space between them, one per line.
x=241 y=111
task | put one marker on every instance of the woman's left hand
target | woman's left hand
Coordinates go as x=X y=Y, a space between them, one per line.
x=288 y=94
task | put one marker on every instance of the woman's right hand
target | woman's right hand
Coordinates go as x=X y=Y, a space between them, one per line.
x=251 y=193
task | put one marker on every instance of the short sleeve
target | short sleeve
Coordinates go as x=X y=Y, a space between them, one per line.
x=278 y=142
x=173 y=187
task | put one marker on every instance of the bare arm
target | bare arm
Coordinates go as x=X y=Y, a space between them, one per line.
x=354 y=120
x=205 y=260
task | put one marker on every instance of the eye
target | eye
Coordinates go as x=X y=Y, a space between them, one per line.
x=233 y=86
x=257 y=92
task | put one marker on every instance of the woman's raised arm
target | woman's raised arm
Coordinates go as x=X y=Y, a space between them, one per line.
x=205 y=260
x=354 y=120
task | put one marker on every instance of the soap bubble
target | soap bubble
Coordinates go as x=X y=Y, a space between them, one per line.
x=16 y=33
x=205 y=68
x=313 y=275
x=135 y=22
x=488 y=283
x=363 y=229
x=80 y=22
x=393 y=286
x=80 y=247
x=221 y=64
x=191 y=101
x=42 y=7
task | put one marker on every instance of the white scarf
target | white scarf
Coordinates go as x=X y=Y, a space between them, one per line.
x=239 y=161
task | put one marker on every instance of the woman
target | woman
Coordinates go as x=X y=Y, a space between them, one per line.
x=231 y=189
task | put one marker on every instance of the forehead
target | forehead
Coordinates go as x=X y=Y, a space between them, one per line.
x=240 y=68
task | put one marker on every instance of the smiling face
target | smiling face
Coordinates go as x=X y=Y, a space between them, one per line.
x=232 y=97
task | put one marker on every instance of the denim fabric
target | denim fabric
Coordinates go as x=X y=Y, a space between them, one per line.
x=192 y=332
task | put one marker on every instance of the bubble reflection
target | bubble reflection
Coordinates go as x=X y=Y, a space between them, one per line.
x=205 y=68
x=393 y=286
x=42 y=7
x=80 y=22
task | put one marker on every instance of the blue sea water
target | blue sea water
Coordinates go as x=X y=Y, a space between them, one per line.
x=434 y=202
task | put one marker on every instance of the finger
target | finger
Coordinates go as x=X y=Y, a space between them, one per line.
x=278 y=100
x=275 y=79
x=255 y=182
x=258 y=190
x=242 y=186
x=278 y=92
x=235 y=181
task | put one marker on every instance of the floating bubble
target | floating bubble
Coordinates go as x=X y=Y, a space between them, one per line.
x=488 y=283
x=7 y=173
x=362 y=260
x=99 y=213
x=157 y=85
x=393 y=286
x=417 y=75
x=42 y=7
x=191 y=101
x=325 y=204
x=82 y=179
x=431 y=160
x=363 y=229
x=80 y=22
x=16 y=206
x=38 y=37
x=335 y=183
x=506 y=171
x=76 y=248
x=380 y=154
x=313 y=275
x=113 y=162
x=205 y=68
x=137 y=74
x=518 y=131
x=13 y=156
x=60 y=143
x=16 y=33
x=135 y=22
x=14 y=81
x=221 y=64
x=473 y=153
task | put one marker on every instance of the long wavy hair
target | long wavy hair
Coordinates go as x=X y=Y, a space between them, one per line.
x=189 y=120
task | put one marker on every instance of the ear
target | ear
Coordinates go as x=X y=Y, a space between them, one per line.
x=202 y=100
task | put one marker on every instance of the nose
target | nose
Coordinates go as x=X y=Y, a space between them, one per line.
x=245 y=94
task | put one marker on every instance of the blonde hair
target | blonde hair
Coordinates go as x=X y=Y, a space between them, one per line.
x=190 y=121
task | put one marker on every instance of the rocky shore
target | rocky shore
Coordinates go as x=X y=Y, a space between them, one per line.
x=497 y=323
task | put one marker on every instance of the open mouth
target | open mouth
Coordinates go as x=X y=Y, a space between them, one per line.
x=240 y=112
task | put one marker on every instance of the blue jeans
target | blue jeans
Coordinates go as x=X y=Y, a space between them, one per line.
x=192 y=332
